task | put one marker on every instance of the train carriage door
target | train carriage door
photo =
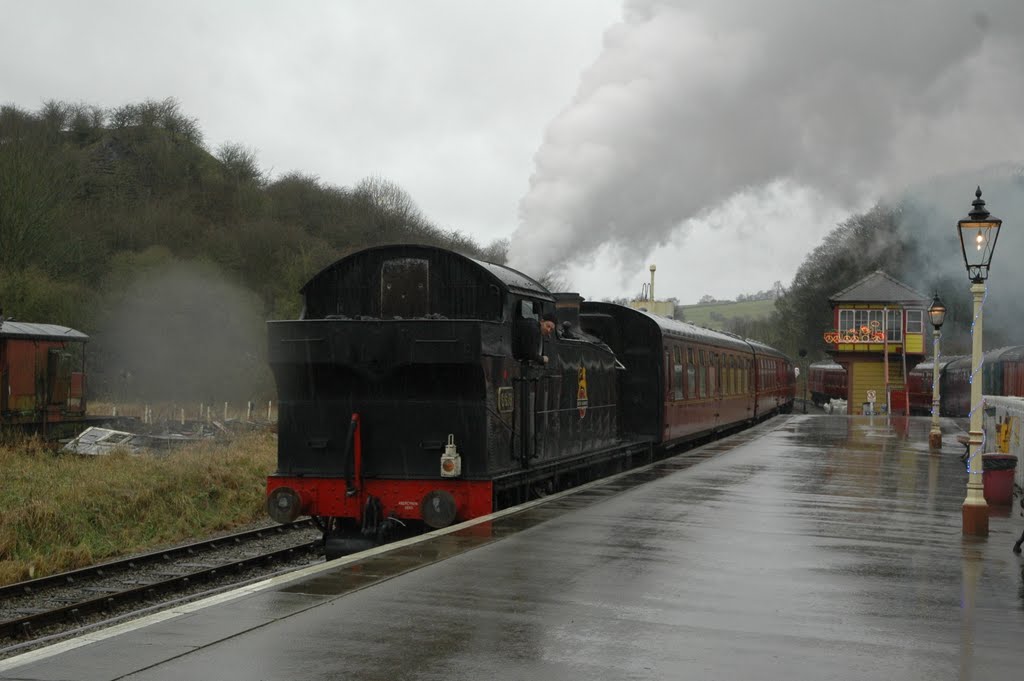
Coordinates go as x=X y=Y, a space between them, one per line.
x=58 y=376
x=530 y=388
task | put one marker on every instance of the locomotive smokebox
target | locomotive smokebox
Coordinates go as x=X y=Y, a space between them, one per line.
x=284 y=505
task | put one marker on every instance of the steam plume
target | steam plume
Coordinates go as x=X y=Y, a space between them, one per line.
x=691 y=103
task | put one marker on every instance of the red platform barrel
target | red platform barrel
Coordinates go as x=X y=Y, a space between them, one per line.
x=997 y=477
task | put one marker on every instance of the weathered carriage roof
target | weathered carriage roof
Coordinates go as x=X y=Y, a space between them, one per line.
x=1009 y=353
x=674 y=328
x=29 y=331
x=928 y=365
x=878 y=287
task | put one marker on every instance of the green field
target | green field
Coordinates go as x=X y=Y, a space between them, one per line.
x=713 y=315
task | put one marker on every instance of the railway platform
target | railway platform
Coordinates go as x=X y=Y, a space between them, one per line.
x=809 y=547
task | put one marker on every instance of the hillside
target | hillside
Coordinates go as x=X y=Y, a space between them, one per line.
x=719 y=315
x=122 y=224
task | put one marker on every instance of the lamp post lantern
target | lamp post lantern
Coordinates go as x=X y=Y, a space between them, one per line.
x=937 y=315
x=978 y=234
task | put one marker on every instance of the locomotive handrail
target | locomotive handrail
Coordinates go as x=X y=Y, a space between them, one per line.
x=352 y=426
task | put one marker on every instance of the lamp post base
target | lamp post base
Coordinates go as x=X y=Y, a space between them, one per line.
x=935 y=440
x=975 y=520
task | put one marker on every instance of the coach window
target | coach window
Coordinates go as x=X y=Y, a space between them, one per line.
x=716 y=389
x=691 y=375
x=668 y=373
x=677 y=372
x=703 y=375
x=724 y=374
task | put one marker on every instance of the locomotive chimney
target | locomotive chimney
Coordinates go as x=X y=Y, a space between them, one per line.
x=653 y=267
x=567 y=308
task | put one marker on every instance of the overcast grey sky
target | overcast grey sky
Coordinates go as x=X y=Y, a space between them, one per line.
x=720 y=139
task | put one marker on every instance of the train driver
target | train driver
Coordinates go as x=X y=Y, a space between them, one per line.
x=547 y=325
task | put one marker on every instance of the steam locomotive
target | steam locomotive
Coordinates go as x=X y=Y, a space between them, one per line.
x=416 y=390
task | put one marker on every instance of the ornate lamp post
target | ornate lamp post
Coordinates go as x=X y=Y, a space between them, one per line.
x=937 y=315
x=978 y=234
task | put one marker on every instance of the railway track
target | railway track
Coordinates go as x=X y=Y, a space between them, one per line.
x=41 y=607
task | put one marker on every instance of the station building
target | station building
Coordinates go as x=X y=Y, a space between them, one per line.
x=878 y=336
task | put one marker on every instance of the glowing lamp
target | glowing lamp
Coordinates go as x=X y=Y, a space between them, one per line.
x=937 y=312
x=978 y=234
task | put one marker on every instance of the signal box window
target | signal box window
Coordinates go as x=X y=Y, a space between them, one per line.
x=894 y=325
x=405 y=288
x=915 y=321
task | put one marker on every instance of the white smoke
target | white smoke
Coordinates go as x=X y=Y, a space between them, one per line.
x=691 y=103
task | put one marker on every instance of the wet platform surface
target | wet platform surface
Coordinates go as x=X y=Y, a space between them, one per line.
x=810 y=547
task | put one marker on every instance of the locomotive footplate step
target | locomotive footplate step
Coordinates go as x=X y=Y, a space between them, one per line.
x=812 y=542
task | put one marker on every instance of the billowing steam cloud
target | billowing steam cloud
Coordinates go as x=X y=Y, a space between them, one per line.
x=691 y=103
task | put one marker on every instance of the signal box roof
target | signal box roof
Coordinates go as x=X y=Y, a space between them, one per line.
x=50 y=332
x=878 y=287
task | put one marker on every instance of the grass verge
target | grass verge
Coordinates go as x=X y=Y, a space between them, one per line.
x=63 y=511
